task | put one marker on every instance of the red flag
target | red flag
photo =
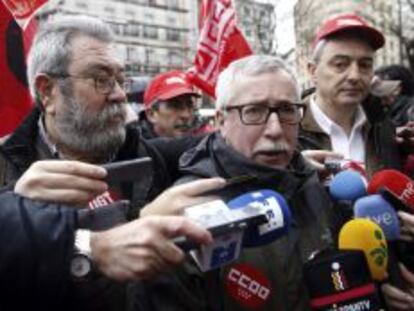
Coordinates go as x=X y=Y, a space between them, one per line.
x=15 y=101
x=220 y=43
x=23 y=10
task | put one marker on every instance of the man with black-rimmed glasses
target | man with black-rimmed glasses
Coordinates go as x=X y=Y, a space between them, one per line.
x=258 y=114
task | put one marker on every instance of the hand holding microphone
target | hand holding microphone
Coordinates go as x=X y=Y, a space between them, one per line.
x=397 y=298
x=250 y=220
x=407 y=226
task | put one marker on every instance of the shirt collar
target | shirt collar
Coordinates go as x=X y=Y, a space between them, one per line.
x=45 y=139
x=327 y=125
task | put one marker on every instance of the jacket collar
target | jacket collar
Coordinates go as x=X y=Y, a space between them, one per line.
x=213 y=156
x=309 y=123
x=23 y=146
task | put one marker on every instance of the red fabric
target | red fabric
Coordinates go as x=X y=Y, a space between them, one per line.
x=219 y=44
x=15 y=101
x=23 y=10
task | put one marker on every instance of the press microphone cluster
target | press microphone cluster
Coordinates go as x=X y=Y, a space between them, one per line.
x=387 y=192
x=249 y=220
x=372 y=231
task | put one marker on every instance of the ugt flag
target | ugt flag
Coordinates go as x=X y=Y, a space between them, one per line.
x=16 y=32
x=220 y=43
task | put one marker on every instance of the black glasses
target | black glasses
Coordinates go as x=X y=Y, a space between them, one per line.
x=103 y=84
x=255 y=114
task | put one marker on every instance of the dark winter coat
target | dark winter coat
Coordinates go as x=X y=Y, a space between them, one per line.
x=279 y=262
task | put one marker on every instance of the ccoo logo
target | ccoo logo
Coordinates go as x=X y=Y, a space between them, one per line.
x=247 y=285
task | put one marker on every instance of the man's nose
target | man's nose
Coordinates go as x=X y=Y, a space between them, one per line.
x=354 y=73
x=273 y=125
x=186 y=113
x=117 y=94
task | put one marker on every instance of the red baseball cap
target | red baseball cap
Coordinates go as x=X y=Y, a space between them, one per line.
x=343 y=22
x=166 y=86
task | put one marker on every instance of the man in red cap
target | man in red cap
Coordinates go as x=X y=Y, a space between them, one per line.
x=341 y=68
x=170 y=101
x=340 y=119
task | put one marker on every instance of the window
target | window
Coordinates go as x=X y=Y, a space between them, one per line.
x=132 y=30
x=150 y=32
x=81 y=5
x=149 y=56
x=118 y=29
x=173 y=4
x=174 y=58
x=109 y=10
x=130 y=15
x=173 y=35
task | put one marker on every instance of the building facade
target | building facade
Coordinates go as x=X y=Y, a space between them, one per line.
x=152 y=35
x=382 y=14
x=257 y=21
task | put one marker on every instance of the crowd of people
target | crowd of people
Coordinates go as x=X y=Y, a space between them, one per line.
x=68 y=243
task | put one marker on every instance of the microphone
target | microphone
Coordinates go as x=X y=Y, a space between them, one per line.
x=377 y=209
x=340 y=280
x=252 y=219
x=367 y=236
x=348 y=185
x=274 y=205
x=396 y=182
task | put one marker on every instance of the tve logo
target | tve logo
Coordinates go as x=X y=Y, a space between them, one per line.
x=247 y=285
x=384 y=219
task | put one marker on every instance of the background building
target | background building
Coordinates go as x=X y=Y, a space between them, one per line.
x=382 y=14
x=152 y=35
x=160 y=35
x=257 y=22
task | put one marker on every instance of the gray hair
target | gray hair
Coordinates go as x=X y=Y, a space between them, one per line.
x=51 y=48
x=317 y=51
x=252 y=65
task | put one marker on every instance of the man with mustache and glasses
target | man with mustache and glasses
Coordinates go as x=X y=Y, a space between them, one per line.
x=258 y=114
x=339 y=116
x=170 y=104
x=79 y=88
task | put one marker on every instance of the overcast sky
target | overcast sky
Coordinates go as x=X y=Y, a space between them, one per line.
x=284 y=28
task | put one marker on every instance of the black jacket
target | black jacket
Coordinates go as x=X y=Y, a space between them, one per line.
x=146 y=128
x=281 y=261
x=36 y=245
x=24 y=147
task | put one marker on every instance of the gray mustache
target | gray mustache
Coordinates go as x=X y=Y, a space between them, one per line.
x=183 y=127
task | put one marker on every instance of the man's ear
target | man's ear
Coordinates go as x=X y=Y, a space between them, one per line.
x=149 y=113
x=312 y=72
x=44 y=89
x=219 y=118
